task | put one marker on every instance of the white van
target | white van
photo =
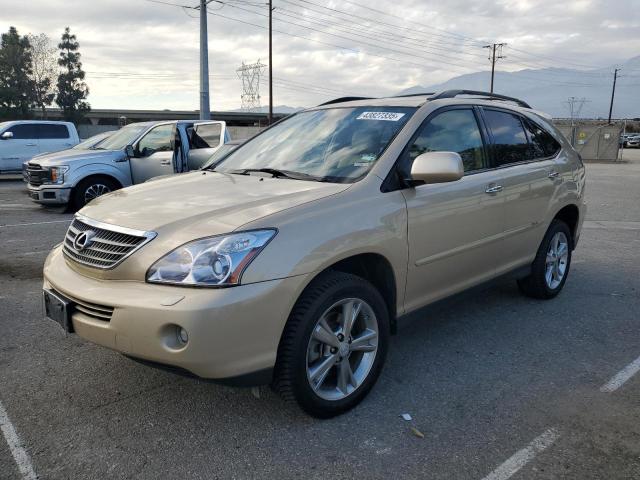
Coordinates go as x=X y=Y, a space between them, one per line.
x=21 y=140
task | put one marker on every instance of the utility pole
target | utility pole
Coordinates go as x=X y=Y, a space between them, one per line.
x=205 y=113
x=493 y=48
x=270 y=61
x=613 y=93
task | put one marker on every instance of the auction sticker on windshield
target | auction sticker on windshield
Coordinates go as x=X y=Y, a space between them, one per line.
x=387 y=116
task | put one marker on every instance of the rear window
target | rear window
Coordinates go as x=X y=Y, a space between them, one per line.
x=24 y=131
x=206 y=136
x=50 y=130
x=543 y=145
x=510 y=143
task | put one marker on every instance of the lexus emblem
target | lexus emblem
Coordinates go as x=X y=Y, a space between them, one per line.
x=83 y=240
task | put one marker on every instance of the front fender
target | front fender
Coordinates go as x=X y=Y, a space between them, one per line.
x=118 y=170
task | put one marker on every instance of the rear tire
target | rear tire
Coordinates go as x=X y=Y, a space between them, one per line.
x=550 y=269
x=90 y=188
x=326 y=365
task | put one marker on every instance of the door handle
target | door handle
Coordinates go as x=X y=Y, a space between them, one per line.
x=165 y=162
x=493 y=189
x=30 y=144
x=553 y=174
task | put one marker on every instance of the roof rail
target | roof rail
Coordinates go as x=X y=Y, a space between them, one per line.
x=490 y=96
x=414 y=94
x=344 y=99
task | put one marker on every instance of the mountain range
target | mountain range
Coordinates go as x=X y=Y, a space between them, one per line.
x=549 y=89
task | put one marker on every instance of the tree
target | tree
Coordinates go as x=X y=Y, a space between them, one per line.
x=72 y=90
x=45 y=71
x=16 y=86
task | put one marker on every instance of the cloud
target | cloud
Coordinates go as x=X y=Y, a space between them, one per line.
x=140 y=54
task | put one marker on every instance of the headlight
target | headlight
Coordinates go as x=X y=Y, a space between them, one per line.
x=213 y=261
x=57 y=174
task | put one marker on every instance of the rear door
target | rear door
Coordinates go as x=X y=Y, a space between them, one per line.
x=53 y=137
x=154 y=153
x=204 y=140
x=19 y=148
x=529 y=182
x=454 y=228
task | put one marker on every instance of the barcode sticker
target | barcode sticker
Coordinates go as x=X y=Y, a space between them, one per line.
x=386 y=116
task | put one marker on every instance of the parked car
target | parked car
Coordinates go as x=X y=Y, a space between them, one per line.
x=293 y=260
x=132 y=155
x=87 y=144
x=21 y=140
x=633 y=142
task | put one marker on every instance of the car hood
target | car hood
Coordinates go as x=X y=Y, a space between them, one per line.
x=65 y=157
x=199 y=204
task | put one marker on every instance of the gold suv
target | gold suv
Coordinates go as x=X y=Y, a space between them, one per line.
x=290 y=261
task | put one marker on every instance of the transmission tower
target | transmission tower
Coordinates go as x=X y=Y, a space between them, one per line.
x=250 y=74
x=575 y=107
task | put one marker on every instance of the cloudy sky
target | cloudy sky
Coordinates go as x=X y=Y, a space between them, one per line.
x=143 y=54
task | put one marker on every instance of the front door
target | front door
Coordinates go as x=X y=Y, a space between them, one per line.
x=454 y=228
x=154 y=153
x=204 y=141
x=22 y=146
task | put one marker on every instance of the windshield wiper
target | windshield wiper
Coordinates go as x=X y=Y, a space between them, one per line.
x=279 y=173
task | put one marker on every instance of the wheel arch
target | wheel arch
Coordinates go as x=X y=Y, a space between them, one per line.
x=570 y=214
x=377 y=270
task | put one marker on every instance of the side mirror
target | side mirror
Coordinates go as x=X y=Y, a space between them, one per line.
x=6 y=135
x=437 y=167
x=130 y=151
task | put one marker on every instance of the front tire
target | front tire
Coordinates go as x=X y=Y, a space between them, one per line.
x=90 y=188
x=333 y=346
x=550 y=268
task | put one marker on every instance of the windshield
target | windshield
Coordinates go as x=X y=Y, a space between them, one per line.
x=92 y=141
x=123 y=137
x=219 y=154
x=336 y=144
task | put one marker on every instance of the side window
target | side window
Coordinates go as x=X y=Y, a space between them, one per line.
x=206 y=136
x=25 y=131
x=157 y=139
x=452 y=131
x=51 y=130
x=543 y=145
x=510 y=143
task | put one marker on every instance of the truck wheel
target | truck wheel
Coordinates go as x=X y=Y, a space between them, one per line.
x=550 y=268
x=333 y=346
x=90 y=188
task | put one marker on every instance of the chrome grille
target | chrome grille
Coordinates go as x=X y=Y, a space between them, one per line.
x=36 y=175
x=109 y=244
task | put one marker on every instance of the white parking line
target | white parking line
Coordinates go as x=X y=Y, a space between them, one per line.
x=35 y=223
x=524 y=456
x=20 y=455
x=621 y=377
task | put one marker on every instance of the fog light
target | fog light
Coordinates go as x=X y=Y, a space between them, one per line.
x=183 y=336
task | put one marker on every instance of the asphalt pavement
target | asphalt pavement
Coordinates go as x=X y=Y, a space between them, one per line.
x=495 y=382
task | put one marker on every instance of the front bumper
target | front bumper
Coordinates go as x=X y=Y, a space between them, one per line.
x=49 y=195
x=233 y=332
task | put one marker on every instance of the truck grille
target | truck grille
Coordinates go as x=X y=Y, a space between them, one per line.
x=101 y=245
x=36 y=175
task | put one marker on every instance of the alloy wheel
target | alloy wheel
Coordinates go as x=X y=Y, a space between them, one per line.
x=556 y=262
x=94 y=191
x=342 y=349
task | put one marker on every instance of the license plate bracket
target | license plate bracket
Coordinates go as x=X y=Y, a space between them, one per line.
x=57 y=308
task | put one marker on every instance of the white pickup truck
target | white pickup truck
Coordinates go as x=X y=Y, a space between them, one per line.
x=23 y=139
x=134 y=154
